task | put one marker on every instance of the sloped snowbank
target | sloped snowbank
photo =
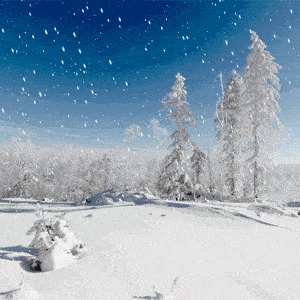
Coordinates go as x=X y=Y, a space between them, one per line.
x=262 y=212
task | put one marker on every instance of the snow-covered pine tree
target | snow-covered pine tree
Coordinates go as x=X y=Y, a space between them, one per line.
x=211 y=184
x=229 y=119
x=198 y=161
x=172 y=169
x=170 y=183
x=262 y=87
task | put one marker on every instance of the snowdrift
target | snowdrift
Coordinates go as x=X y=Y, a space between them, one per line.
x=115 y=197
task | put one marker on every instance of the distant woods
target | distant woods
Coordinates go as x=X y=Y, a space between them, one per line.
x=68 y=173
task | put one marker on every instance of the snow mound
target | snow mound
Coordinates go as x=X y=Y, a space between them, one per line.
x=115 y=197
x=260 y=208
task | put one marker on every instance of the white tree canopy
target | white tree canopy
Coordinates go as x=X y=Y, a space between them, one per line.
x=180 y=114
x=230 y=116
x=262 y=89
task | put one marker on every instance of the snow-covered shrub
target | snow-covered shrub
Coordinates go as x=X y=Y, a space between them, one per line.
x=58 y=256
x=57 y=245
x=43 y=231
x=61 y=230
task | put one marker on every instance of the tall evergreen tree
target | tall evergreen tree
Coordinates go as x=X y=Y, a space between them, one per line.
x=180 y=114
x=211 y=183
x=230 y=117
x=198 y=161
x=262 y=87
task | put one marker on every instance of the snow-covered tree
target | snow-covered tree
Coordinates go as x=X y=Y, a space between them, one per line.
x=211 y=183
x=229 y=117
x=198 y=162
x=181 y=115
x=262 y=87
x=172 y=170
x=49 y=234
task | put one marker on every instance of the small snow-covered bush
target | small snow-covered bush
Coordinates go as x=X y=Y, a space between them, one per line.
x=58 y=256
x=57 y=245
x=43 y=233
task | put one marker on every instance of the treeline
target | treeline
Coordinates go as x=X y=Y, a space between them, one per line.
x=68 y=173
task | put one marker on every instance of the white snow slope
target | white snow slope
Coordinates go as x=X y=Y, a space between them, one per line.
x=158 y=250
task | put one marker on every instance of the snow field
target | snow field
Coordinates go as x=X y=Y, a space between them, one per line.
x=196 y=251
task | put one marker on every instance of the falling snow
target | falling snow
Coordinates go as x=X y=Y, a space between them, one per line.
x=110 y=53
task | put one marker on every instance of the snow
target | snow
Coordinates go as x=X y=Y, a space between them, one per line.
x=147 y=248
x=24 y=292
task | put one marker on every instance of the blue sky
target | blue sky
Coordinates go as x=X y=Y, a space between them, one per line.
x=83 y=71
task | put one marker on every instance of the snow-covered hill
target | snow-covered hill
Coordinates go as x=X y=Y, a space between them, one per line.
x=146 y=248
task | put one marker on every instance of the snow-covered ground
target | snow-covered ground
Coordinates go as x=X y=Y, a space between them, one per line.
x=140 y=247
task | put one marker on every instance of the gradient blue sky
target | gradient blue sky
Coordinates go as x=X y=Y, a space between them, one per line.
x=66 y=64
